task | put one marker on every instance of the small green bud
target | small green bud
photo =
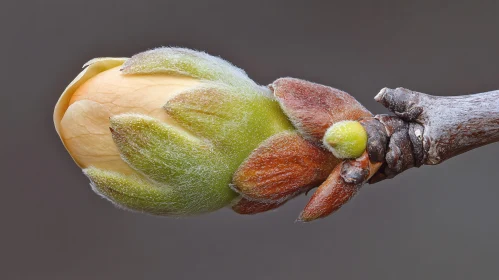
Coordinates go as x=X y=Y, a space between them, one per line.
x=346 y=139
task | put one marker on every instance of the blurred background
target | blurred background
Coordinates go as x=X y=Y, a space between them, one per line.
x=437 y=222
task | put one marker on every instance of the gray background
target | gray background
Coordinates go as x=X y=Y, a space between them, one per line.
x=430 y=223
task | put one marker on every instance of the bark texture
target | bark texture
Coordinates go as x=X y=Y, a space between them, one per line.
x=429 y=129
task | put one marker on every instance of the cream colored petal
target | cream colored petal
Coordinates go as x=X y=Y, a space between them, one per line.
x=91 y=68
x=85 y=133
x=140 y=94
x=110 y=93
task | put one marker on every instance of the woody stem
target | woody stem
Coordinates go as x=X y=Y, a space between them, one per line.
x=429 y=129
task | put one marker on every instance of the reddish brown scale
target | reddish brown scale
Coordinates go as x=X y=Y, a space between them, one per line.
x=249 y=207
x=284 y=165
x=329 y=197
x=313 y=108
x=339 y=187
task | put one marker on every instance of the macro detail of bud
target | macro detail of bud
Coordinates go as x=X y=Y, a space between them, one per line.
x=178 y=132
x=164 y=131
x=346 y=139
x=313 y=109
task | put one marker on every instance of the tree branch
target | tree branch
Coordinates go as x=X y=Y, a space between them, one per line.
x=429 y=129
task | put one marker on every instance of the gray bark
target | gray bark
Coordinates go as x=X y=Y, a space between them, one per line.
x=429 y=129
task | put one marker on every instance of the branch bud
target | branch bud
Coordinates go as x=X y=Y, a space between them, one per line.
x=164 y=131
x=346 y=139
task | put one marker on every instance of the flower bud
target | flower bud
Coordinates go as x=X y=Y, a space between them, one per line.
x=177 y=132
x=164 y=131
x=346 y=139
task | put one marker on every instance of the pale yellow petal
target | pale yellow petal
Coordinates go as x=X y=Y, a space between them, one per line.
x=140 y=94
x=85 y=133
x=91 y=68
x=98 y=93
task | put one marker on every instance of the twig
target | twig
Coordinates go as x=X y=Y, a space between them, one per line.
x=429 y=129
